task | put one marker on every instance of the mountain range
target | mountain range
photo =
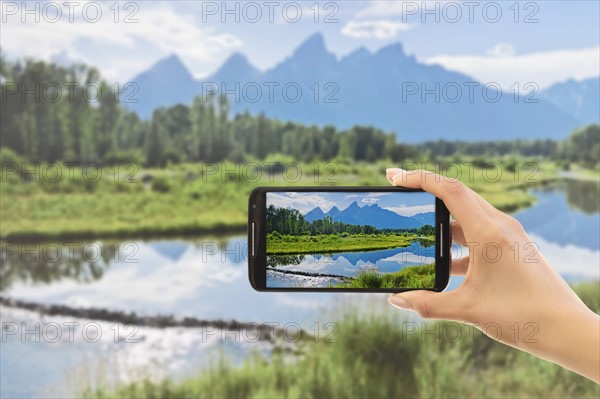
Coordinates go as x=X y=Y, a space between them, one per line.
x=579 y=98
x=372 y=215
x=365 y=88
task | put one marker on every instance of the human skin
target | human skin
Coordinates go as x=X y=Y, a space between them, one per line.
x=506 y=281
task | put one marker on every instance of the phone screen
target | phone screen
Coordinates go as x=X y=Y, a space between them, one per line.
x=351 y=240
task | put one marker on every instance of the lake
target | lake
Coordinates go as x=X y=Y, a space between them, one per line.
x=206 y=278
x=345 y=264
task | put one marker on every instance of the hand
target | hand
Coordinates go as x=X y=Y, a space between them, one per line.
x=507 y=281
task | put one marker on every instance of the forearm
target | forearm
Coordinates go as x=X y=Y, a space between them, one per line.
x=572 y=340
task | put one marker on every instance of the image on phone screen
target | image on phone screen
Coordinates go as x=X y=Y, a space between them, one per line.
x=350 y=240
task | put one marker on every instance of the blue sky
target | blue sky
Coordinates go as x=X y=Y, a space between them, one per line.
x=405 y=204
x=559 y=41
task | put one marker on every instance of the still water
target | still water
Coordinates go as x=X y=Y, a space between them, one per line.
x=347 y=264
x=207 y=278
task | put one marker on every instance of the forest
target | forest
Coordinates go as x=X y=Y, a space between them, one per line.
x=48 y=116
x=291 y=222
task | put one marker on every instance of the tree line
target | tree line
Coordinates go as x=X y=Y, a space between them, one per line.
x=282 y=221
x=582 y=146
x=292 y=222
x=40 y=125
x=425 y=230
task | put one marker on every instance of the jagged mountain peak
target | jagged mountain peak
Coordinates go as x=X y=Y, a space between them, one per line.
x=357 y=55
x=171 y=66
x=235 y=61
x=354 y=204
x=391 y=49
x=372 y=214
x=313 y=45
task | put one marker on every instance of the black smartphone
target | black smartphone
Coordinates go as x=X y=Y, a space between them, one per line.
x=347 y=239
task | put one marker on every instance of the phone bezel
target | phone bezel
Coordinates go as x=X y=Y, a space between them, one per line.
x=257 y=239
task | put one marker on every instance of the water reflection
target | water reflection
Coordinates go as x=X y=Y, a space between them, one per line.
x=349 y=263
x=324 y=270
x=203 y=278
x=284 y=260
x=583 y=195
x=45 y=263
x=575 y=221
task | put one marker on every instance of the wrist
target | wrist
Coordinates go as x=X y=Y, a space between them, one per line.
x=570 y=337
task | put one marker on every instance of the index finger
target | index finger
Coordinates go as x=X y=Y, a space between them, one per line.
x=458 y=198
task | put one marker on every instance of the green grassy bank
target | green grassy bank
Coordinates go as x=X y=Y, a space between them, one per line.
x=196 y=198
x=329 y=243
x=413 y=277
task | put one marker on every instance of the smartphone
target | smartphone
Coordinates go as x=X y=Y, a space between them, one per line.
x=347 y=239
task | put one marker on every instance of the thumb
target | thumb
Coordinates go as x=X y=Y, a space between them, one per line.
x=429 y=304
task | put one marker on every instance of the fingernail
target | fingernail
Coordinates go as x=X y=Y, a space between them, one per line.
x=398 y=302
x=391 y=172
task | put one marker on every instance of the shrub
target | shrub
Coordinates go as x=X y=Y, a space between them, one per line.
x=9 y=156
x=161 y=185
x=119 y=157
x=10 y=164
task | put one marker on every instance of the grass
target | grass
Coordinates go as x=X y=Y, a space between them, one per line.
x=380 y=355
x=422 y=276
x=329 y=243
x=193 y=198
x=581 y=173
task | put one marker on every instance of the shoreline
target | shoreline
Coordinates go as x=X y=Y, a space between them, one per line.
x=169 y=232
x=578 y=176
x=134 y=234
x=228 y=224
x=333 y=251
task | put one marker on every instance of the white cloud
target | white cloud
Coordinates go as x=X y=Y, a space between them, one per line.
x=382 y=8
x=160 y=30
x=370 y=200
x=409 y=257
x=501 y=50
x=378 y=29
x=226 y=40
x=404 y=210
x=304 y=203
x=385 y=8
x=543 y=68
